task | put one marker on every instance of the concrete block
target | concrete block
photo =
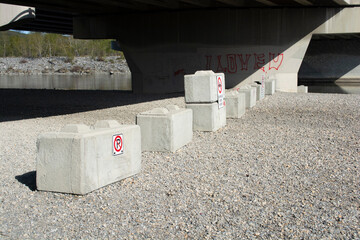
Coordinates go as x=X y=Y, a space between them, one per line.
x=165 y=129
x=80 y=159
x=235 y=104
x=202 y=87
x=270 y=86
x=302 y=89
x=259 y=92
x=208 y=116
x=250 y=95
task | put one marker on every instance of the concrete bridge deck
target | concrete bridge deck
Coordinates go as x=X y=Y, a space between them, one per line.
x=56 y=16
x=164 y=40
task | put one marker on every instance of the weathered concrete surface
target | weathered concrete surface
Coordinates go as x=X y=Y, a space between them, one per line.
x=250 y=95
x=165 y=129
x=201 y=87
x=235 y=104
x=79 y=159
x=207 y=117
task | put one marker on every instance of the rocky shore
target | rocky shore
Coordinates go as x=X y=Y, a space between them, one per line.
x=62 y=65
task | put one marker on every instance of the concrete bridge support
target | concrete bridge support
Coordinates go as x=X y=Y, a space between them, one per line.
x=243 y=43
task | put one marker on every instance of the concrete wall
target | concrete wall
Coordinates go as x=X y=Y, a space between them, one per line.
x=68 y=82
x=161 y=48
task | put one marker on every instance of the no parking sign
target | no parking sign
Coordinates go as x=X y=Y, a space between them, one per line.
x=117 y=144
x=221 y=90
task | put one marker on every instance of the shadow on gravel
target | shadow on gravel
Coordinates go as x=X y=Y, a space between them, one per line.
x=322 y=86
x=28 y=179
x=18 y=104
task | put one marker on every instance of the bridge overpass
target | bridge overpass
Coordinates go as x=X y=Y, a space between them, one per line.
x=163 y=40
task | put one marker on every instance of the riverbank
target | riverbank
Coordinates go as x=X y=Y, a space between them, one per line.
x=62 y=65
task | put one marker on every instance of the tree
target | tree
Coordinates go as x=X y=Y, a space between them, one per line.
x=49 y=44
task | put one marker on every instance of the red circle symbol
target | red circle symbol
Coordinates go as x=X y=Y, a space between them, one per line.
x=118 y=143
x=220 y=85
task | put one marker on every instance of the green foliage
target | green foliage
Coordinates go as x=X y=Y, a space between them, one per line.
x=34 y=45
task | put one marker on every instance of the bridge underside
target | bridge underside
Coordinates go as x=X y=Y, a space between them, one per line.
x=162 y=41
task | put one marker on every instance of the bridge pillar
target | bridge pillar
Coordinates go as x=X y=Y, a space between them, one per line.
x=287 y=80
x=242 y=43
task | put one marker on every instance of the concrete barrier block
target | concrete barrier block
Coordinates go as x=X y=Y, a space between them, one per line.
x=250 y=96
x=208 y=116
x=202 y=87
x=165 y=129
x=80 y=159
x=270 y=86
x=260 y=94
x=302 y=89
x=235 y=104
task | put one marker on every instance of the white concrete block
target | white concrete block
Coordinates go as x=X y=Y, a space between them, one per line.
x=250 y=95
x=202 y=87
x=80 y=159
x=165 y=129
x=259 y=92
x=235 y=104
x=302 y=89
x=208 y=116
x=270 y=86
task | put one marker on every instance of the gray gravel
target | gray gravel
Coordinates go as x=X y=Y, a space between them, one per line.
x=61 y=65
x=288 y=169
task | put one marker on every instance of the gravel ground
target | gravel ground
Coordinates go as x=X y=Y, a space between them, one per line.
x=288 y=169
x=62 y=65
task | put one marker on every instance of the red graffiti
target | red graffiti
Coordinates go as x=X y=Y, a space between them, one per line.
x=275 y=61
x=233 y=63
x=259 y=61
x=220 y=67
x=244 y=63
x=178 y=72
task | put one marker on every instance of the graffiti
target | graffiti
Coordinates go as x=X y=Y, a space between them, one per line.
x=275 y=62
x=259 y=61
x=244 y=63
x=233 y=63
x=180 y=71
x=220 y=67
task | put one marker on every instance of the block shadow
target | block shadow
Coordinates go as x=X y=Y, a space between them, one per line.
x=18 y=104
x=28 y=179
